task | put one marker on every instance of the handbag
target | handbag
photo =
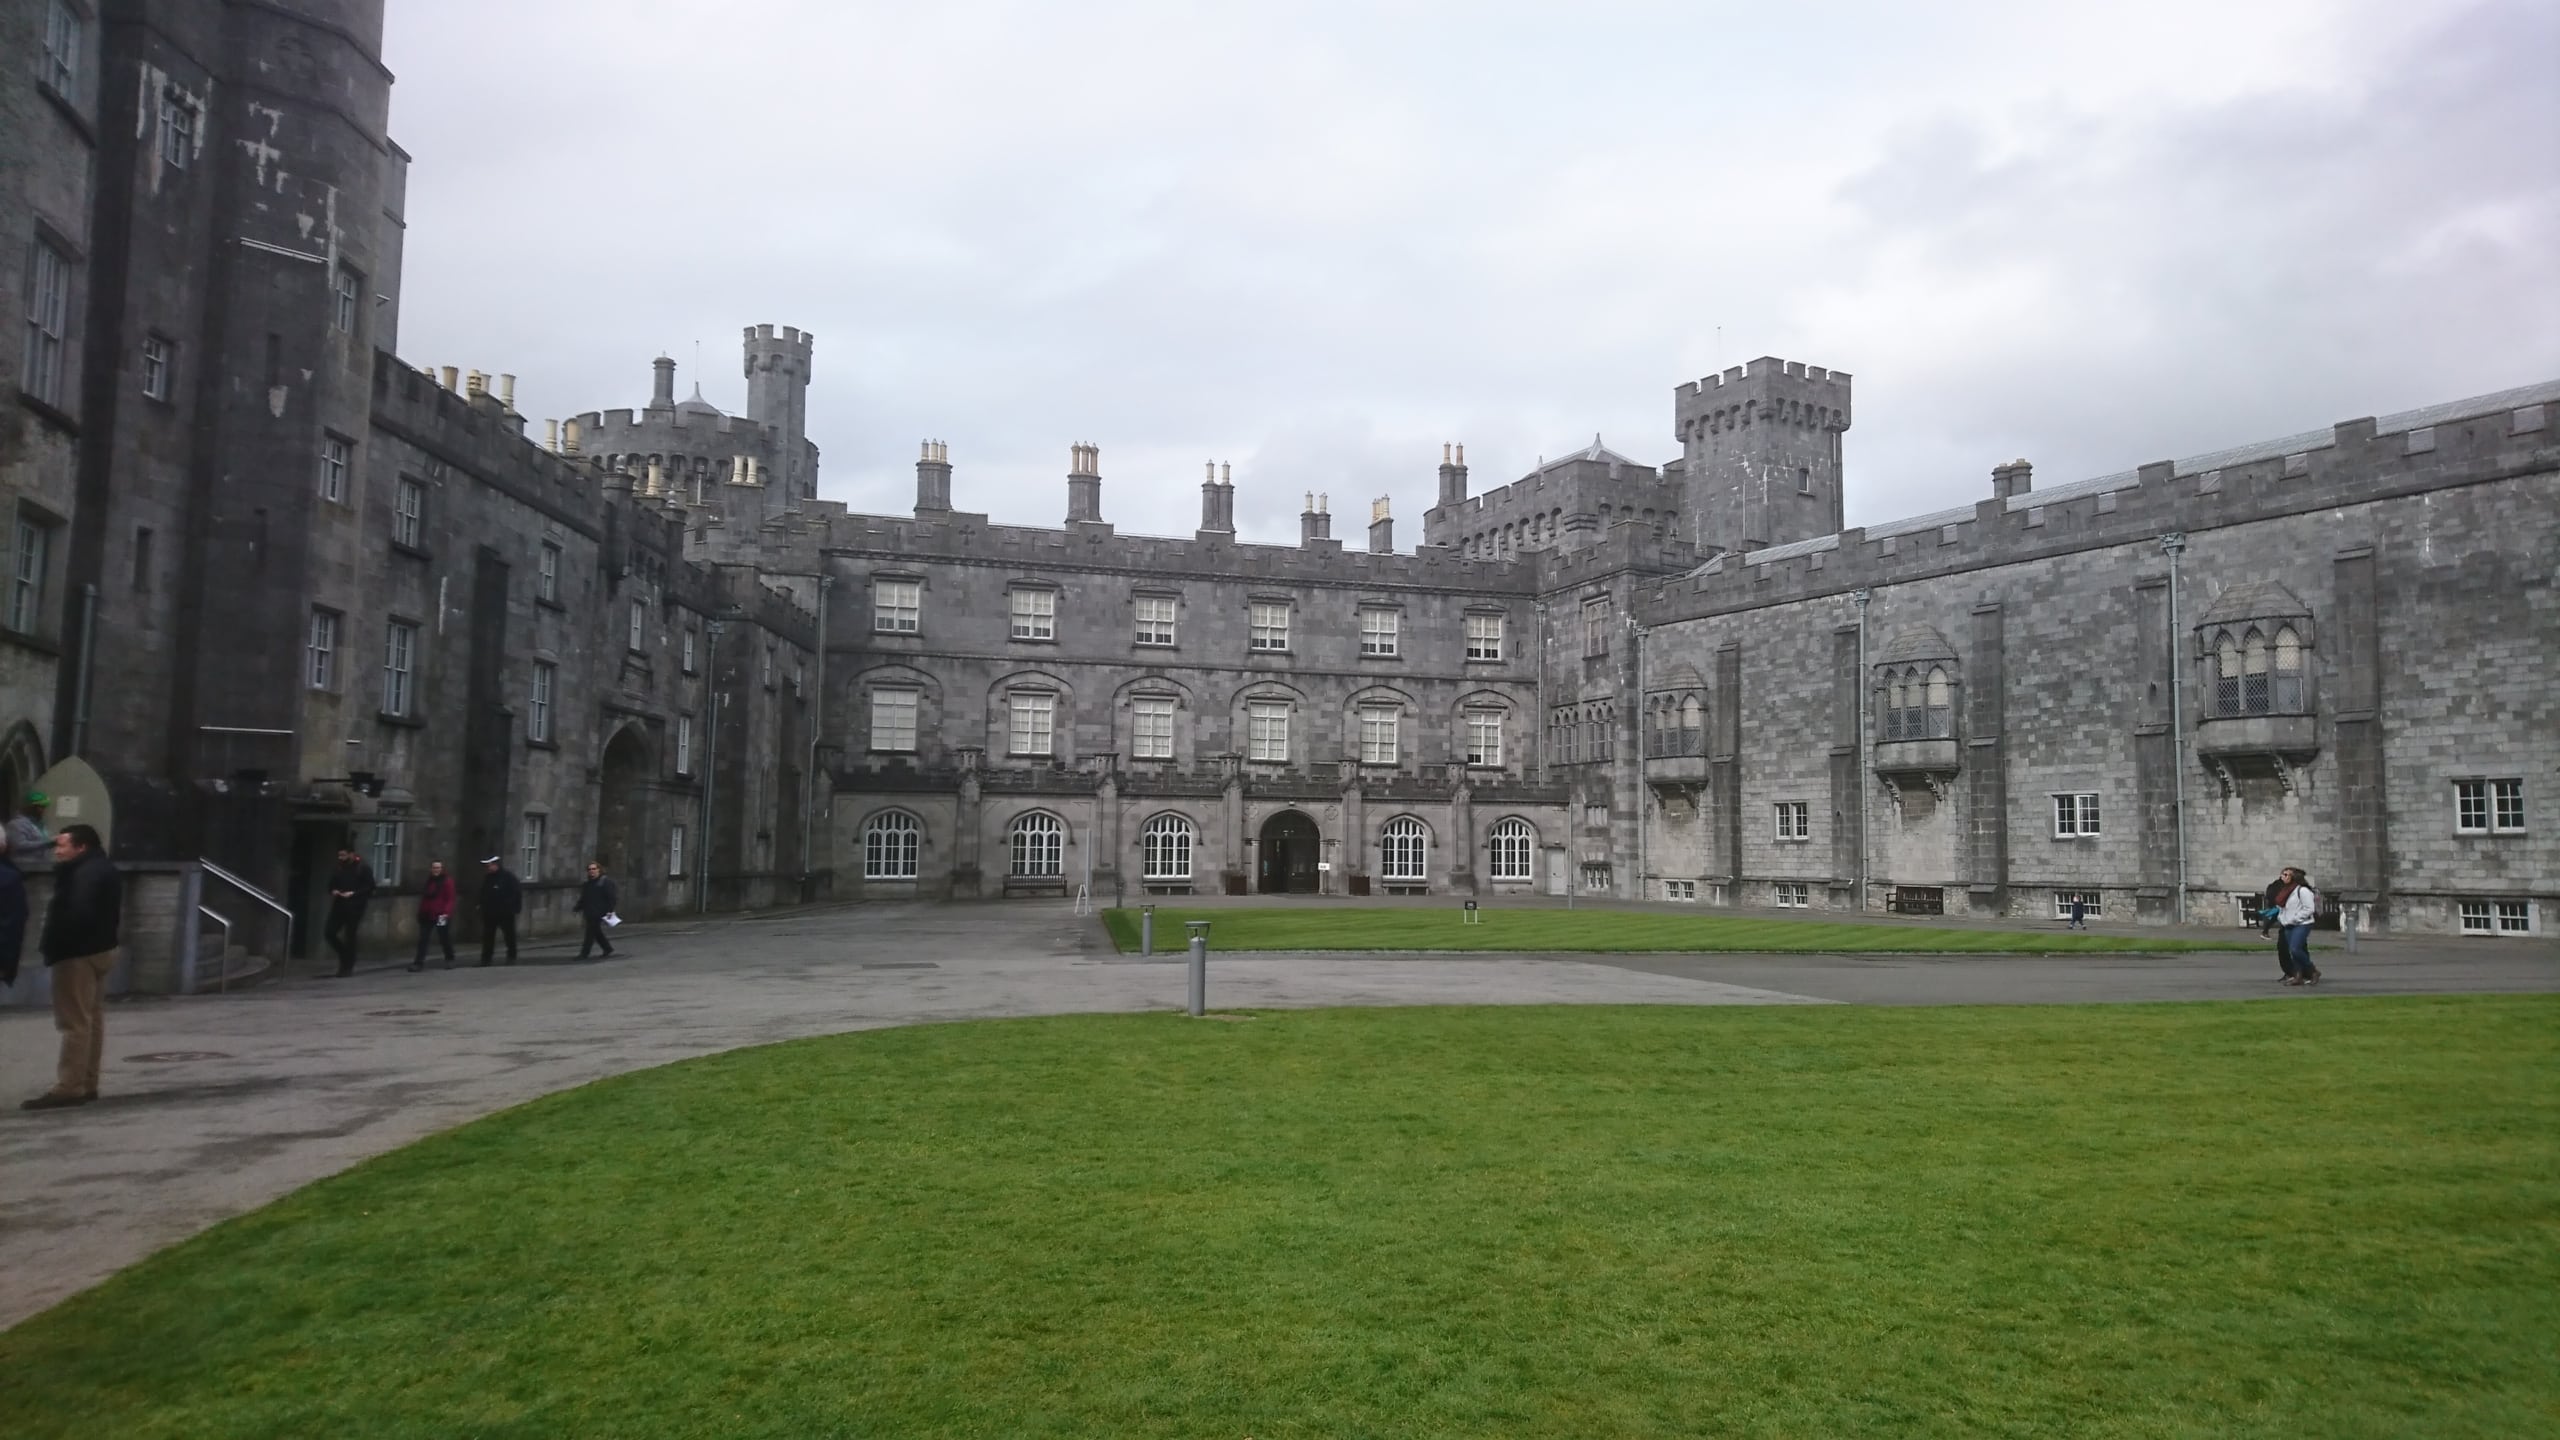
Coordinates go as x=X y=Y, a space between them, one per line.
x=611 y=919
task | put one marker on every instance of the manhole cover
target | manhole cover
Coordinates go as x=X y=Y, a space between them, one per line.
x=168 y=1057
x=901 y=965
x=394 y=1014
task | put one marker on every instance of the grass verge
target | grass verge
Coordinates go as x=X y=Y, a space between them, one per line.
x=1627 y=931
x=2247 y=1220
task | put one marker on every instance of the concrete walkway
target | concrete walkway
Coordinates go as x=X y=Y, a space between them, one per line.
x=216 y=1105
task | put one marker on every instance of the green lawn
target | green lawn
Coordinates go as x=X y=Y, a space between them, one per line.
x=1444 y=927
x=2335 y=1219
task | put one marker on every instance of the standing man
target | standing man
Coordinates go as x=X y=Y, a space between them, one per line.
x=350 y=890
x=435 y=915
x=501 y=900
x=28 y=844
x=595 y=902
x=80 y=936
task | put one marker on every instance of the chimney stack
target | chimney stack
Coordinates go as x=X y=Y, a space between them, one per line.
x=1084 y=483
x=2015 y=478
x=452 y=378
x=1315 y=522
x=568 y=437
x=507 y=393
x=1382 y=531
x=933 y=477
x=662 y=393
x=551 y=436
x=477 y=385
x=1453 y=476
x=1217 y=507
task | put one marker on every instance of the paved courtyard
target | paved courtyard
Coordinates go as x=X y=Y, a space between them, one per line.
x=217 y=1104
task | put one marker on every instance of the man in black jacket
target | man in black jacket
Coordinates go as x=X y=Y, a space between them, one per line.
x=595 y=901
x=350 y=890
x=80 y=937
x=501 y=900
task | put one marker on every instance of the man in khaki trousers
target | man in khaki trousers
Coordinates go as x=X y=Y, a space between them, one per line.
x=80 y=938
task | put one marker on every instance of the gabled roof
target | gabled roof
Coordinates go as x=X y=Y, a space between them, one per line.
x=1915 y=642
x=2253 y=600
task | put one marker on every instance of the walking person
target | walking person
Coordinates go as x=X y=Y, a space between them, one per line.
x=595 y=905
x=350 y=890
x=2079 y=912
x=501 y=900
x=79 y=944
x=435 y=915
x=2301 y=906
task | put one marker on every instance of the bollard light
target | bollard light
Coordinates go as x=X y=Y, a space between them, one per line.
x=1199 y=966
x=1146 y=930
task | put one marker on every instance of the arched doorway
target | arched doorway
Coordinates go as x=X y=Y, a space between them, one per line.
x=1289 y=848
x=623 y=836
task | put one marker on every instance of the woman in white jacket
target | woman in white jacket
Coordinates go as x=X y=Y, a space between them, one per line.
x=2294 y=914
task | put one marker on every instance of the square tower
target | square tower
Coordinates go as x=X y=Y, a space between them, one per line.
x=1760 y=447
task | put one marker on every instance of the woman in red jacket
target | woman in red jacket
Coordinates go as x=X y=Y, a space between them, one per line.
x=435 y=915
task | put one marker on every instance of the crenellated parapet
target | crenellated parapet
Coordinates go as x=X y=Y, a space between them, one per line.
x=2464 y=442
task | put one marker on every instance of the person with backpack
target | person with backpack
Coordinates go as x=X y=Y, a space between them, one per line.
x=2296 y=906
x=435 y=915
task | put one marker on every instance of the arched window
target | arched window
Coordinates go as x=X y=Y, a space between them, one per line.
x=2288 y=673
x=1509 y=844
x=1941 y=718
x=2226 y=676
x=890 y=840
x=1693 y=715
x=1167 y=843
x=2253 y=674
x=1039 y=845
x=1404 y=851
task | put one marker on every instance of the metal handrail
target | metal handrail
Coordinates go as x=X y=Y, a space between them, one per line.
x=221 y=977
x=254 y=893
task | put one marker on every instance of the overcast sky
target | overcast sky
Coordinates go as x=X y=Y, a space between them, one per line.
x=1319 y=240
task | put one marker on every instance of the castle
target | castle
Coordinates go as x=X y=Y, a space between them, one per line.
x=275 y=590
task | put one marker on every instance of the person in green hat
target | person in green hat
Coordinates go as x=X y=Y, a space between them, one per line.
x=29 y=846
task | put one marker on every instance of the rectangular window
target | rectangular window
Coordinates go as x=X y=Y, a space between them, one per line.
x=48 y=323
x=684 y=744
x=897 y=606
x=1155 y=619
x=1595 y=877
x=2075 y=816
x=893 y=720
x=1794 y=895
x=2088 y=899
x=1795 y=820
x=1270 y=626
x=768 y=667
x=1035 y=614
x=1595 y=817
x=636 y=636
x=334 y=455
x=546 y=575
x=1267 y=731
x=177 y=132
x=409 y=514
x=529 y=846
x=26 y=577
x=685 y=651
x=1033 y=729
x=158 y=359
x=1378 y=632
x=386 y=854
x=1685 y=891
x=1151 y=730
x=1484 y=737
x=1595 y=627
x=1378 y=734
x=346 y=290
x=675 y=852
x=62 y=50
x=1484 y=637
x=2477 y=918
x=2507 y=796
x=537 y=712
x=399 y=667
x=141 y=559
x=2515 y=917
x=323 y=650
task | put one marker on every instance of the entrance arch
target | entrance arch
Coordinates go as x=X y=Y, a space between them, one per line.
x=624 y=841
x=1289 y=849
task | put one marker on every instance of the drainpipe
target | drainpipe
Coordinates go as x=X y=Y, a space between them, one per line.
x=2173 y=544
x=817 y=732
x=1644 y=792
x=710 y=768
x=1546 y=722
x=88 y=650
x=1859 y=694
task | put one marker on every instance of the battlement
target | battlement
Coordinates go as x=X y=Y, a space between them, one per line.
x=964 y=538
x=595 y=425
x=767 y=346
x=1766 y=368
x=2489 y=437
